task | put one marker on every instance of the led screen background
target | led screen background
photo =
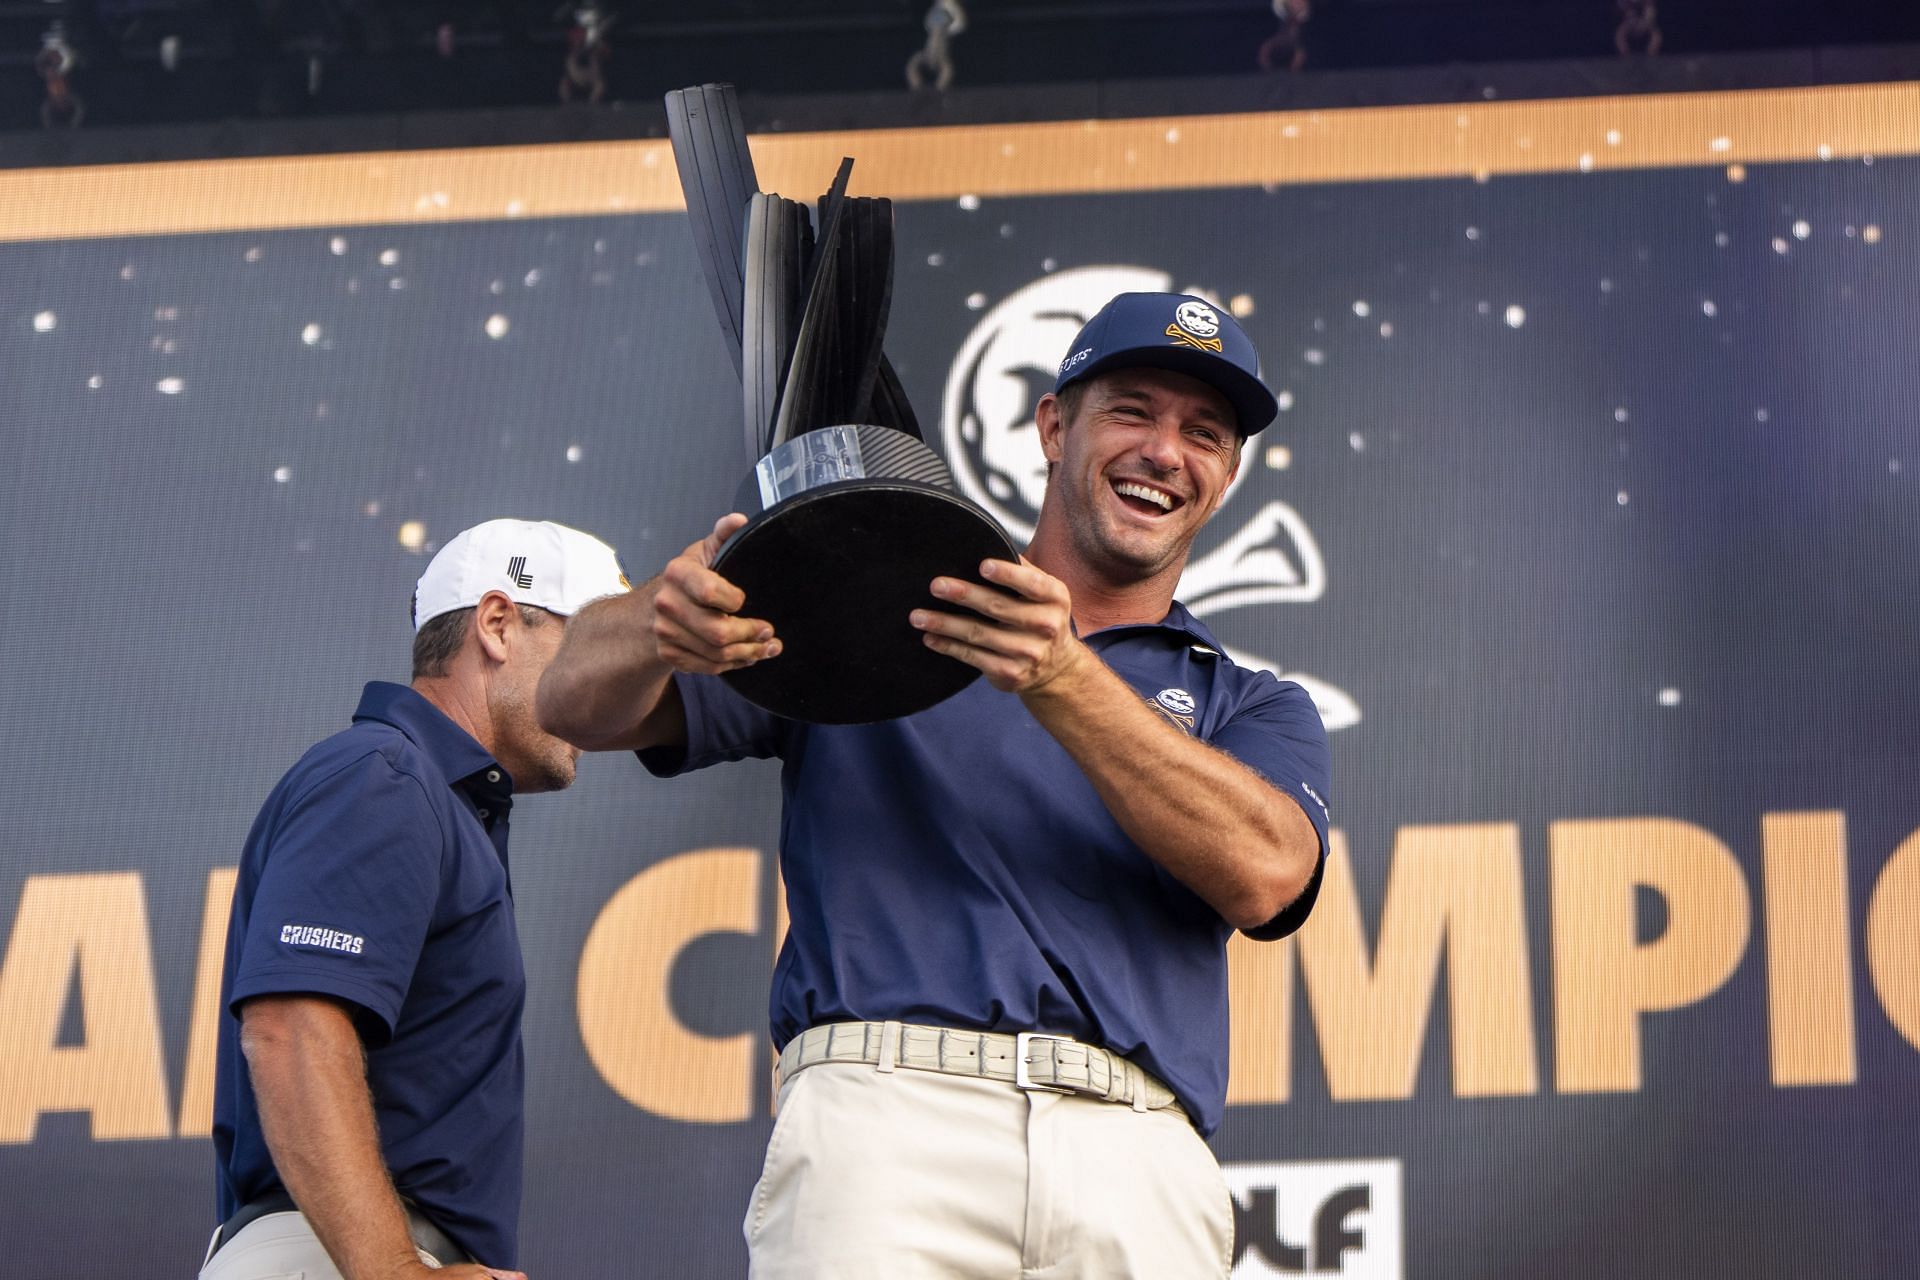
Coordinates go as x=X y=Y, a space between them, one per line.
x=1590 y=520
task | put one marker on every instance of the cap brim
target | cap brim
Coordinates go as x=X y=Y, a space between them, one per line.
x=1253 y=405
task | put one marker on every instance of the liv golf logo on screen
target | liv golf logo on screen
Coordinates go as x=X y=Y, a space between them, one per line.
x=1268 y=555
x=1321 y=1219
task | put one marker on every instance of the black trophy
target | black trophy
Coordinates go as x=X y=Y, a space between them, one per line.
x=850 y=514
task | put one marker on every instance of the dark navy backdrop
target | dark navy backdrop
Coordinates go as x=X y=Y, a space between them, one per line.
x=1611 y=481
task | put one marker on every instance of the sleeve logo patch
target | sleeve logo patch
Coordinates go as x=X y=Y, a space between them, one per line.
x=321 y=938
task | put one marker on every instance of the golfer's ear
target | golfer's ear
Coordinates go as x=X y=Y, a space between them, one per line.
x=1052 y=423
x=491 y=618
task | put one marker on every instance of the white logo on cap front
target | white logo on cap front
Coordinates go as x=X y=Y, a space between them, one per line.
x=988 y=435
x=1197 y=318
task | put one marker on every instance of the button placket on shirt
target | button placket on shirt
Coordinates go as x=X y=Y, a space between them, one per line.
x=487 y=794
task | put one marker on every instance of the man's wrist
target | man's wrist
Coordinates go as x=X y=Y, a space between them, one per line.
x=400 y=1264
x=1077 y=675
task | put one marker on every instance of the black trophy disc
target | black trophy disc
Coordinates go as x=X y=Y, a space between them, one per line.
x=836 y=570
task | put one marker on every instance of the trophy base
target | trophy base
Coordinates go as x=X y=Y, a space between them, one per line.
x=836 y=570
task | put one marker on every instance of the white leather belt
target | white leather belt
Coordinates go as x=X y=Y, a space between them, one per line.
x=1029 y=1060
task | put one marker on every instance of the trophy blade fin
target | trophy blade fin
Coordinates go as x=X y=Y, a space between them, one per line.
x=890 y=406
x=866 y=277
x=775 y=255
x=802 y=399
x=717 y=177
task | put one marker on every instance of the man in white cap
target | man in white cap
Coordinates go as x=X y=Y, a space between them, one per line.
x=368 y=1095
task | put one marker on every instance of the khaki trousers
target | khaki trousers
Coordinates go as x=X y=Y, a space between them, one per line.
x=909 y=1174
x=282 y=1246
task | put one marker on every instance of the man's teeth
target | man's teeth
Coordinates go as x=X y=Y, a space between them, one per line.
x=1157 y=498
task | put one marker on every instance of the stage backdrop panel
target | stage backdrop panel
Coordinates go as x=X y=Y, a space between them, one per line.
x=1590 y=522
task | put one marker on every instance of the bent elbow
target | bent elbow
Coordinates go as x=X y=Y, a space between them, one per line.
x=1257 y=907
x=271 y=1033
x=1276 y=886
x=257 y=1044
x=1251 y=918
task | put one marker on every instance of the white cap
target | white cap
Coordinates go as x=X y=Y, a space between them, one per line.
x=534 y=562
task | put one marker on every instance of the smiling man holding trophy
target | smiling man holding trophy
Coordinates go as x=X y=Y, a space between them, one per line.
x=1000 y=1011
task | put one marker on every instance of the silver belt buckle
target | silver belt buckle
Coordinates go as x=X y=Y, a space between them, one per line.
x=1023 y=1061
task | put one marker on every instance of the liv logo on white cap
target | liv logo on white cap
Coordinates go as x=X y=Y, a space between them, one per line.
x=536 y=562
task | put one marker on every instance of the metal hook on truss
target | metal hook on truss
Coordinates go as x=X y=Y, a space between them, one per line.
x=62 y=108
x=589 y=49
x=932 y=65
x=1639 y=29
x=1286 y=49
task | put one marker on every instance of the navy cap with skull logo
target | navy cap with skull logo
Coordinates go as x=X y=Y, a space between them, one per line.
x=1174 y=331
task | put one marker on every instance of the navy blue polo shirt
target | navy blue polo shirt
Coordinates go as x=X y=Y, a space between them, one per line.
x=376 y=875
x=957 y=868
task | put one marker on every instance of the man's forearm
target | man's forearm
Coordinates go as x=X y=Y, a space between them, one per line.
x=605 y=687
x=1217 y=826
x=611 y=686
x=310 y=1080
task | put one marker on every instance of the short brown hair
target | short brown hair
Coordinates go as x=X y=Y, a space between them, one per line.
x=1070 y=397
x=435 y=644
